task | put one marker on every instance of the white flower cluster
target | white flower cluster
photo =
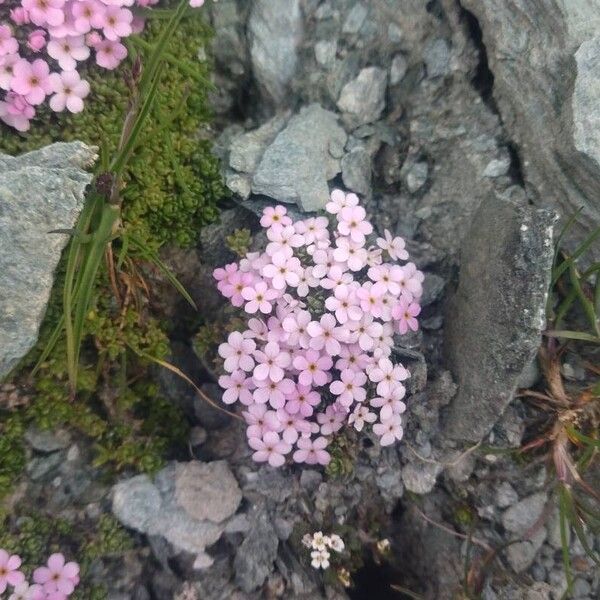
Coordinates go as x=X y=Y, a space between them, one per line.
x=320 y=546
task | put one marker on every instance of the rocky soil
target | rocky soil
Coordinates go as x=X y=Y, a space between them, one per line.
x=453 y=122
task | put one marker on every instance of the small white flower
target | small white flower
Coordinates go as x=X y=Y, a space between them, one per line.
x=336 y=543
x=307 y=540
x=320 y=559
x=319 y=541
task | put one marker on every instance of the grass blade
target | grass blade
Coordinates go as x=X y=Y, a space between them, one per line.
x=563 y=495
x=153 y=257
x=582 y=249
x=573 y=335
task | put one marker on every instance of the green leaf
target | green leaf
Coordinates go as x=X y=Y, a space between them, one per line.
x=573 y=335
x=563 y=511
x=588 y=307
x=584 y=439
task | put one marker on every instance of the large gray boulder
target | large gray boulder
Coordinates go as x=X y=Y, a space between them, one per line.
x=39 y=192
x=495 y=319
x=545 y=62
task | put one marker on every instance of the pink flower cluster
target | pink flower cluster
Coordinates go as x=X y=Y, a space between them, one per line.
x=317 y=352
x=47 y=39
x=55 y=581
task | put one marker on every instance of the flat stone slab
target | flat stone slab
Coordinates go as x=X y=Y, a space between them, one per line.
x=495 y=320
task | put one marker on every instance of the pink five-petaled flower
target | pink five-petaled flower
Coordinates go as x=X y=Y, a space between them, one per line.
x=70 y=90
x=371 y=299
x=9 y=573
x=58 y=576
x=410 y=280
x=24 y=591
x=385 y=279
x=256 y=417
x=282 y=270
x=307 y=281
x=275 y=216
x=349 y=388
x=85 y=13
x=271 y=362
x=389 y=430
x=292 y=426
x=7 y=64
x=237 y=352
x=313 y=367
x=302 y=401
x=404 y=313
x=269 y=449
x=273 y=392
x=331 y=420
x=45 y=12
x=237 y=386
x=351 y=253
x=352 y=223
x=313 y=229
x=8 y=43
x=295 y=326
x=340 y=200
x=32 y=80
x=109 y=54
x=387 y=376
x=19 y=16
x=196 y=3
x=283 y=240
x=325 y=334
x=345 y=304
x=259 y=297
x=16 y=111
x=393 y=245
x=68 y=50
x=391 y=404
x=365 y=332
x=360 y=416
x=115 y=23
x=312 y=452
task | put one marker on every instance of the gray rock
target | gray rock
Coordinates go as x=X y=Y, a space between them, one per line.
x=207 y=491
x=325 y=51
x=521 y=555
x=363 y=99
x=355 y=19
x=275 y=32
x=247 y=149
x=543 y=56
x=524 y=514
x=505 y=495
x=437 y=57
x=39 y=192
x=398 y=69
x=303 y=158
x=494 y=321
x=255 y=557
x=170 y=506
x=416 y=175
x=581 y=588
x=43 y=466
x=433 y=286
x=420 y=477
x=47 y=441
x=497 y=167
x=356 y=171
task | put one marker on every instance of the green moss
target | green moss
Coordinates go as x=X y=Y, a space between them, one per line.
x=12 y=450
x=173 y=183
